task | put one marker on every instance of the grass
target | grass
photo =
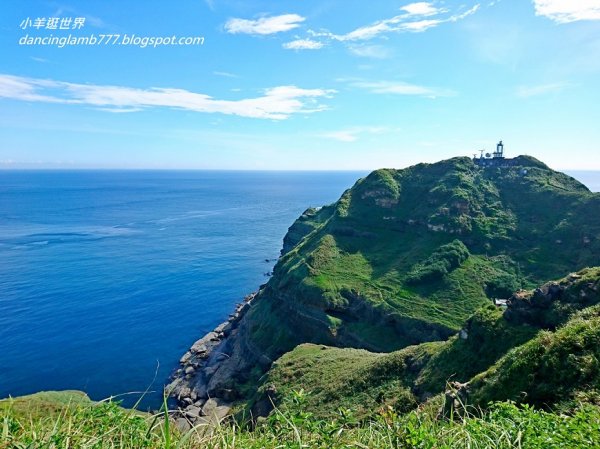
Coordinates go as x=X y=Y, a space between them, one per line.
x=553 y=366
x=107 y=426
x=344 y=378
x=501 y=357
x=490 y=337
x=68 y=420
x=407 y=256
x=502 y=230
x=44 y=403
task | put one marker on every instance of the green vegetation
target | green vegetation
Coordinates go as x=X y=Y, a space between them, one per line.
x=106 y=425
x=378 y=327
x=489 y=337
x=406 y=256
x=516 y=354
x=352 y=379
x=44 y=403
x=71 y=420
x=443 y=260
x=555 y=366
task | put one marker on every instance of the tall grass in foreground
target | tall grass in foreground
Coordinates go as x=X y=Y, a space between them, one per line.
x=106 y=425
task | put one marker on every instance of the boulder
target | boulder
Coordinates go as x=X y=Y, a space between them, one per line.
x=228 y=394
x=201 y=392
x=183 y=425
x=186 y=357
x=210 y=370
x=193 y=412
x=223 y=328
x=183 y=392
x=201 y=345
x=216 y=410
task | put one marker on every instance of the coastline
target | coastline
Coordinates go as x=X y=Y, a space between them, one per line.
x=189 y=383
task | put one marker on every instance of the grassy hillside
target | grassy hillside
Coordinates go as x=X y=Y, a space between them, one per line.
x=44 y=403
x=107 y=426
x=353 y=379
x=378 y=302
x=543 y=350
x=555 y=366
x=407 y=256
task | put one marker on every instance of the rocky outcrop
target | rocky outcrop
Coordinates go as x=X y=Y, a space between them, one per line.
x=455 y=401
x=550 y=305
x=198 y=401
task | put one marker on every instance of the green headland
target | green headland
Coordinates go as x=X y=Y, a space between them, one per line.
x=453 y=304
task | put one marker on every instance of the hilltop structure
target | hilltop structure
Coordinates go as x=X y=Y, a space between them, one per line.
x=495 y=159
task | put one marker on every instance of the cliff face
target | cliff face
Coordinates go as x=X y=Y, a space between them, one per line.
x=406 y=256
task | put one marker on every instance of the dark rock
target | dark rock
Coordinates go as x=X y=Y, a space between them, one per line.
x=265 y=404
x=455 y=400
x=205 y=358
x=201 y=392
x=228 y=394
x=210 y=370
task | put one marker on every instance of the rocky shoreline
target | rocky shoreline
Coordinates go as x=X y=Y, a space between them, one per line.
x=189 y=383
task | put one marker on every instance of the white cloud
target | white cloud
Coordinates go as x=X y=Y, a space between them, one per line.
x=353 y=134
x=565 y=11
x=120 y=110
x=25 y=89
x=542 y=89
x=421 y=25
x=225 y=74
x=401 y=88
x=303 y=44
x=370 y=51
x=275 y=103
x=400 y=23
x=467 y=13
x=368 y=32
x=264 y=25
x=341 y=136
x=421 y=9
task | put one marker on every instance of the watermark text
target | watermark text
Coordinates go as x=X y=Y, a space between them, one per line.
x=132 y=40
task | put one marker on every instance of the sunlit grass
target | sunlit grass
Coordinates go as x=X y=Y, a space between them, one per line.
x=106 y=425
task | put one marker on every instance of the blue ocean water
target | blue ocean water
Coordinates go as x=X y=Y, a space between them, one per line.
x=107 y=277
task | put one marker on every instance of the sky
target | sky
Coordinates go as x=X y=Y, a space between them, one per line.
x=296 y=85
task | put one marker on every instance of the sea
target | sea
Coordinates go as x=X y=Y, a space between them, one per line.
x=108 y=277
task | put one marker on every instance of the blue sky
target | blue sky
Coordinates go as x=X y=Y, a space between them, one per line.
x=313 y=84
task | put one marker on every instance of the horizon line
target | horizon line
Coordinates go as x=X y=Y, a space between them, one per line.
x=9 y=169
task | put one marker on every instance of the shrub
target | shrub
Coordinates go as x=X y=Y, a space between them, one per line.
x=441 y=262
